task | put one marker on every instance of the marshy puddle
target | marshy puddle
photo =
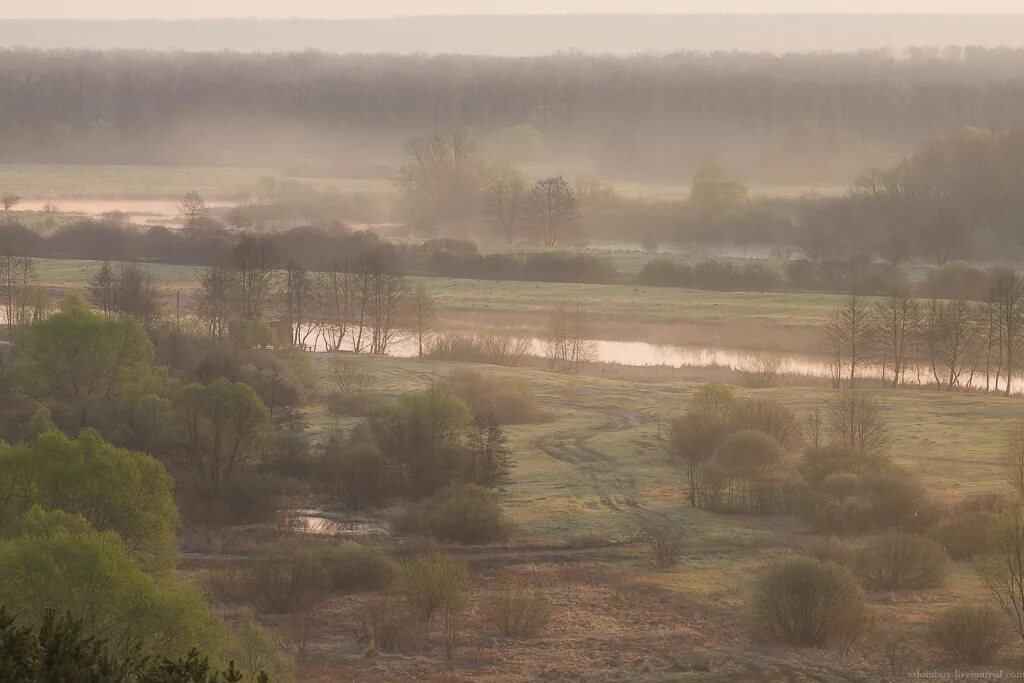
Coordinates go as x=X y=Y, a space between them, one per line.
x=317 y=522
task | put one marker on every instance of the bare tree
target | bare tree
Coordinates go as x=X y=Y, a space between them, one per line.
x=553 y=208
x=568 y=345
x=17 y=275
x=1007 y=294
x=254 y=263
x=504 y=199
x=193 y=211
x=334 y=290
x=855 y=420
x=948 y=336
x=1013 y=459
x=136 y=293
x=9 y=200
x=101 y=288
x=896 y=319
x=214 y=299
x=423 y=315
x=440 y=179
x=298 y=293
x=384 y=295
x=849 y=334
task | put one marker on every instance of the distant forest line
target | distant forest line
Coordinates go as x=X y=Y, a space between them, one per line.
x=793 y=118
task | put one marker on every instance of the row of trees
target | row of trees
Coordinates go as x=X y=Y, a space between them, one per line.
x=956 y=344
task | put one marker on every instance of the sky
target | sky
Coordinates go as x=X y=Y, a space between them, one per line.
x=350 y=9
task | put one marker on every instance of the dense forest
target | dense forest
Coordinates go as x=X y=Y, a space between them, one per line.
x=794 y=117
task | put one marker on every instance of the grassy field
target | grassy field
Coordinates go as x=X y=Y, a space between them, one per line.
x=600 y=457
x=112 y=181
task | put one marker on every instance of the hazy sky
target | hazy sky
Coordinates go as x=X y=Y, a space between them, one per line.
x=341 y=9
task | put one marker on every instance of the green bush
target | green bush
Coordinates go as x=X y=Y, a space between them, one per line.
x=432 y=582
x=805 y=603
x=969 y=634
x=465 y=513
x=897 y=560
x=353 y=567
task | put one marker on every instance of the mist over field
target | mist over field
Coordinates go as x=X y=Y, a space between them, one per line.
x=592 y=347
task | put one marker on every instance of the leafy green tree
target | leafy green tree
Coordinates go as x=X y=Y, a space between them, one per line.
x=39 y=423
x=422 y=435
x=79 y=358
x=55 y=560
x=112 y=488
x=222 y=430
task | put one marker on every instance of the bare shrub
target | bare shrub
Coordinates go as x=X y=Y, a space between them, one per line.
x=969 y=634
x=832 y=549
x=664 y=539
x=805 y=603
x=901 y=656
x=508 y=401
x=771 y=417
x=518 y=611
x=496 y=349
x=386 y=623
x=352 y=567
x=855 y=419
x=963 y=536
x=432 y=582
x=274 y=585
x=764 y=373
x=748 y=454
x=897 y=560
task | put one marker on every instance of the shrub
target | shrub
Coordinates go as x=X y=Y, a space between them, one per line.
x=432 y=582
x=358 y=474
x=507 y=401
x=770 y=417
x=749 y=454
x=665 y=540
x=896 y=561
x=803 y=602
x=250 y=499
x=963 y=536
x=496 y=349
x=832 y=549
x=386 y=623
x=518 y=611
x=351 y=567
x=464 y=513
x=275 y=585
x=969 y=634
x=357 y=404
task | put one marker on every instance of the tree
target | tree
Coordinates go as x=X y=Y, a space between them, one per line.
x=849 y=334
x=855 y=420
x=82 y=359
x=102 y=287
x=222 y=430
x=490 y=454
x=9 y=200
x=17 y=275
x=298 y=292
x=748 y=454
x=112 y=488
x=504 y=200
x=568 y=345
x=192 y=210
x=215 y=298
x=1013 y=459
x=440 y=180
x=383 y=297
x=694 y=437
x=136 y=294
x=424 y=315
x=949 y=336
x=254 y=261
x=422 y=437
x=51 y=559
x=712 y=193
x=553 y=208
x=1002 y=568
x=896 y=318
x=1007 y=295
